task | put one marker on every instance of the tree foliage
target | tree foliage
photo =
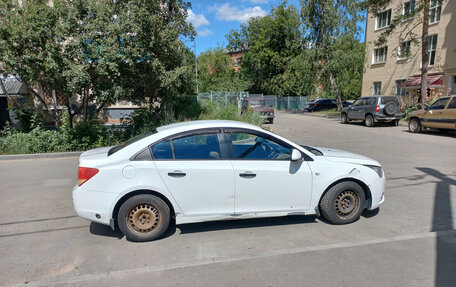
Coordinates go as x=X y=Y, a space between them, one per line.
x=96 y=51
x=216 y=72
x=270 y=44
x=328 y=24
x=293 y=53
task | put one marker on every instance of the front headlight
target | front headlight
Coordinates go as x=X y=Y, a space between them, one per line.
x=377 y=169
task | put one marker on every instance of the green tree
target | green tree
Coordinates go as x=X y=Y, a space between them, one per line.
x=327 y=23
x=270 y=44
x=96 y=51
x=405 y=24
x=216 y=72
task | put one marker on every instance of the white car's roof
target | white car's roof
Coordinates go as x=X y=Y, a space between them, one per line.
x=192 y=125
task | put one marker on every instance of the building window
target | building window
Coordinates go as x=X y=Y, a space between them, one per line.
x=434 y=11
x=383 y=19
x=452 y=85
x=432 y=47
x=379 y=55
x=409 y=7
x=237 y=62
x=404 y=50
x=397 y=89
x=376 y=88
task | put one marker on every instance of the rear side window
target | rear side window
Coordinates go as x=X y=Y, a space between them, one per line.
x=205 y=146
x=452 y=104
x=385 y=100
x=162 y=150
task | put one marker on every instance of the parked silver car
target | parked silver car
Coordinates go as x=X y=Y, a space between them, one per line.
x=373 y=109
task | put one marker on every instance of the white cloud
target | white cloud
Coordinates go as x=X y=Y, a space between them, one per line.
x=197 y=20
x=204 y=32
x=228 y=13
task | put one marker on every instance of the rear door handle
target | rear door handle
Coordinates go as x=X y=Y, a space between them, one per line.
x=247 y=174
x=177 y=173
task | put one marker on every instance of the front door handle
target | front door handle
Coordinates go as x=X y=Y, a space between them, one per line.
x=247 y=174
x=177 y=173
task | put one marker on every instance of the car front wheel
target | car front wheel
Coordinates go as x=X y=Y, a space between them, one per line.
x=415 y=125
x=143 y=217
x=344 y=118
x=343 y=203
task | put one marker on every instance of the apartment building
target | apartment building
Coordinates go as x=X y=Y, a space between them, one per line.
x=395 y=68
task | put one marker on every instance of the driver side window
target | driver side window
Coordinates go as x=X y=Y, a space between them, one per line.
x=250 y=146
x=358 y=102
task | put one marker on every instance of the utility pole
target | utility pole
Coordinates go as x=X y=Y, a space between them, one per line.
x=196 y=67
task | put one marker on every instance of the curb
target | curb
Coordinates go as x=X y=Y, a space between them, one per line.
x=40 y=155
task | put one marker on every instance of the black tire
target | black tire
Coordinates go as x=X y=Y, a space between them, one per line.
x=414 y=125
x=343 y=203
x=271 y=121
x=369 y=121
x=344 y=118
x=143 y=217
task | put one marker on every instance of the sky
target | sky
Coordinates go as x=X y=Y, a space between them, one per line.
x=214 y=19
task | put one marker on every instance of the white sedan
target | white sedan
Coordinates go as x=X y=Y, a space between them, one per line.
x=217 y=170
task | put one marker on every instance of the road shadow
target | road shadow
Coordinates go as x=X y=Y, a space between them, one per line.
x=245 y=223
x=370 y=213
x=434 y=132
x=442 y=220
x=104 y=230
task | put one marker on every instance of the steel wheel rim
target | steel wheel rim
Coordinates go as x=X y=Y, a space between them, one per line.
x=368 y=121
x=347 y=203
x=143 y=219
x=414 y=125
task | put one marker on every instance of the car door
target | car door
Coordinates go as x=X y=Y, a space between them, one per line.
x=266 y=180
x=448 y=115
x=353 y=110
x=197 y=173
x=433 y=116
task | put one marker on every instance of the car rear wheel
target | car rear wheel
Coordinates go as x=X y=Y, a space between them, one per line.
x=415 y=125
x=369 y=121
x=344 y=118
x=143 y=217
x=343 y=203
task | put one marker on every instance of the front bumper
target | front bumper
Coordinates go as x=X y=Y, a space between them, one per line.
x=377 y=190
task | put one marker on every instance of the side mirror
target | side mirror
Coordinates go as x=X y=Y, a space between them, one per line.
x=426 y=109
x=296 y=155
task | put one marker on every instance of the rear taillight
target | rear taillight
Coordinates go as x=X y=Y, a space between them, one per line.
x=377 y=109
x=315 y=105
x=85 y=173
x=401 y=107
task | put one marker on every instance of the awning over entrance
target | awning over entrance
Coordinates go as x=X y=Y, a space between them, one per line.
x=415 y=81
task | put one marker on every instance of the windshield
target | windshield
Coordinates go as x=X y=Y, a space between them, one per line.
x=130 y=141
x=258 y=103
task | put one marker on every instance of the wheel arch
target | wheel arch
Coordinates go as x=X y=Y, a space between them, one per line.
x=129 y=195
x=366 y=189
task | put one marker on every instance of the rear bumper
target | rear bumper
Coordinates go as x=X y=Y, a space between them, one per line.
x=387 y=118
x=94 y=205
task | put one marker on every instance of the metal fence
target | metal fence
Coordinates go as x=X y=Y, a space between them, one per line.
x=235 y=98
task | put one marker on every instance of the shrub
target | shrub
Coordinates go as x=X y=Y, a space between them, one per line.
x=213 y=111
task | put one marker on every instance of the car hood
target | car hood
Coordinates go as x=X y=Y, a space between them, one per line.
x=337 y=155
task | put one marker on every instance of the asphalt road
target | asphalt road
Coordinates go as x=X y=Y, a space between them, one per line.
x=410 y=241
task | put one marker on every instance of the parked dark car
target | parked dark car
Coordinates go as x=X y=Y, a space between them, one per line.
x=324 y=104
x=373 y=109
